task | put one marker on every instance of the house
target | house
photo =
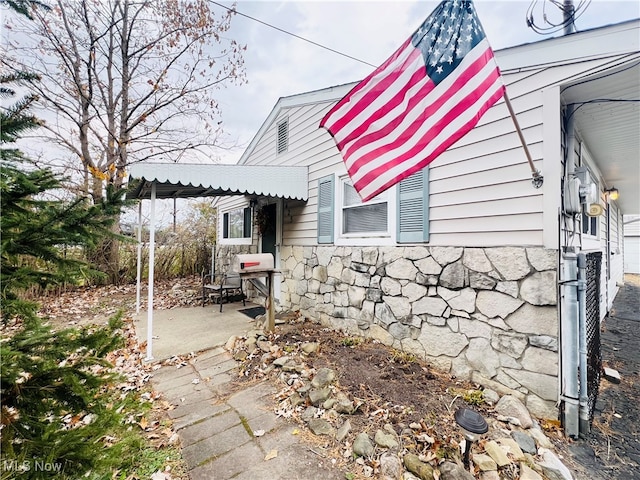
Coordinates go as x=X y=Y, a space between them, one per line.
x=632 y=244
x=466 y=263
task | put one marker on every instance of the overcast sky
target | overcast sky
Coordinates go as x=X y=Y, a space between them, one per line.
x=280 y=65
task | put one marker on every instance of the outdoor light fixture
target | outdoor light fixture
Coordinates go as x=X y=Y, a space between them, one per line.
x=473 y=425
x=612 y=193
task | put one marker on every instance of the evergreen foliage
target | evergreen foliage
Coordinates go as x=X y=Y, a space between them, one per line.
x=60 y=415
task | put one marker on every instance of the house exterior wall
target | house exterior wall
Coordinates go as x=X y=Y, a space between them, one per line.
x=479 y=299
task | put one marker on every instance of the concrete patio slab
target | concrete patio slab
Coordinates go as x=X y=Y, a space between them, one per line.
x=180 y=331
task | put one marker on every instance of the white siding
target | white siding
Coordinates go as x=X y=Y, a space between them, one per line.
x=480 y=189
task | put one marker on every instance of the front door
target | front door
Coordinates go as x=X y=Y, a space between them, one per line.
x=269 y=241
x=269 y=234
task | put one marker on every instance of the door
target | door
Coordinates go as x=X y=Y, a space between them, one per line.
x=270 y=240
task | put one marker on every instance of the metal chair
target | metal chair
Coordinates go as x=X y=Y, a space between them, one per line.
x=230 y=285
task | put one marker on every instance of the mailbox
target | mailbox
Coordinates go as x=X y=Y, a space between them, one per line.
x=253 y=262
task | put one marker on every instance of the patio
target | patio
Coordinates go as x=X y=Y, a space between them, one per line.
x=180 y=331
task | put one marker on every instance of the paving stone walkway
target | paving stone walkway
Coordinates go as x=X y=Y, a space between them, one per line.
x=221 y=430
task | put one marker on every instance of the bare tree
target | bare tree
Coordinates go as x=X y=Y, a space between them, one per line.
x=125 y=81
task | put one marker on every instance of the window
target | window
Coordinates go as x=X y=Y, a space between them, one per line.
x=403 y=209
x=237 y=223
x=590 y=224
x=282 y=142
x=358 y=217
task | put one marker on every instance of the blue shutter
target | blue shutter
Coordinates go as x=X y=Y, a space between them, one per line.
x=413 y=208
x=325 y=209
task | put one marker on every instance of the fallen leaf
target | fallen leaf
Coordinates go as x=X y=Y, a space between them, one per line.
x=144 y=423
x=295 y=431
x=272 y=454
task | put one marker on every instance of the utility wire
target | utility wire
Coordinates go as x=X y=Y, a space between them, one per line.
x=292 y=34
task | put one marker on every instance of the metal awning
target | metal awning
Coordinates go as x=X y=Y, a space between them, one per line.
x=180 y=180
x=151 y=181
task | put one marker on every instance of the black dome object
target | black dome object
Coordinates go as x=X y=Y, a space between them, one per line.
x=471 y=421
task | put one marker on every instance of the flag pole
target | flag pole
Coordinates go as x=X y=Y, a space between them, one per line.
x=538 y=179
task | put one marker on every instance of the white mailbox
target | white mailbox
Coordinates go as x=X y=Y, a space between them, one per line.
x=253 y=262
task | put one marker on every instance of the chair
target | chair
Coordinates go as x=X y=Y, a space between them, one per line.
x=229 y=286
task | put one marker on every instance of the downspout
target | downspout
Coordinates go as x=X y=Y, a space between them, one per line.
x=582 y=319
x=569 y=347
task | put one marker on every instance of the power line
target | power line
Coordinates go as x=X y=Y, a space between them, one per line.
x=290 y=33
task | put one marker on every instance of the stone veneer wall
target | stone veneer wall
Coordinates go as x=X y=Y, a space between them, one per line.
x=484 y=314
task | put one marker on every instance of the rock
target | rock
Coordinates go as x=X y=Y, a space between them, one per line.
x=329 y=403
x=362 y=445
x=343 y=404
x=240 y=356
x=484 y=462
x=318 y=395
x=390 y=465
x=264 y=345
x=552 y=467
x=385 y=440
x=343 y=431
x=282 y=361
x=541 y=439
x=308 y=414
x=231 y=343
x=525 y=442
x=454 y=276
x=320 y=427
x=422 y=470
x=612 y=375
x=512 y=448
x=490 y=396
x=490 y=475
x=498 y=454
x=310 y=347
x=451 y=471
x=296 y=399
x=527 y=473
x=409 y=476
x=510 y=406
x=539 y=288
x=323 y=377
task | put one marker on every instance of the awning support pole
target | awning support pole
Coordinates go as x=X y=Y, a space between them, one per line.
x=139 y=259
x=152 y=253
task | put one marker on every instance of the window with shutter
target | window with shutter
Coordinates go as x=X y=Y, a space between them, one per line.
x=237 y=223
x=283 y=136
x=413 y=208
x=325 y=209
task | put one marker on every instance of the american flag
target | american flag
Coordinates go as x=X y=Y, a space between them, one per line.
x=426 y=96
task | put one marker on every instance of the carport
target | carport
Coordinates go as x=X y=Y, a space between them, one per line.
x=152 y=181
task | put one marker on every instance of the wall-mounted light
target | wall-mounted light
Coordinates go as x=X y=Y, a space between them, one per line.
x=612 y=193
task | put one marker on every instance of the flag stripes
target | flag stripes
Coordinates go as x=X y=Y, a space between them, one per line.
x=398 y=120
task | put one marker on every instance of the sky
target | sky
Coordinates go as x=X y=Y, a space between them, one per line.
x=279 y=65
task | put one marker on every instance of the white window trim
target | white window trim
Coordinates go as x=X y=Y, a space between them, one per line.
x=357 y=239
x=232 y=241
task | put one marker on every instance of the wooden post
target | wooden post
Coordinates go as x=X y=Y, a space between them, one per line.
x=271 y=317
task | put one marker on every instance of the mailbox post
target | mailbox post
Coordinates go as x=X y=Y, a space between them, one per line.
x=259 y=265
